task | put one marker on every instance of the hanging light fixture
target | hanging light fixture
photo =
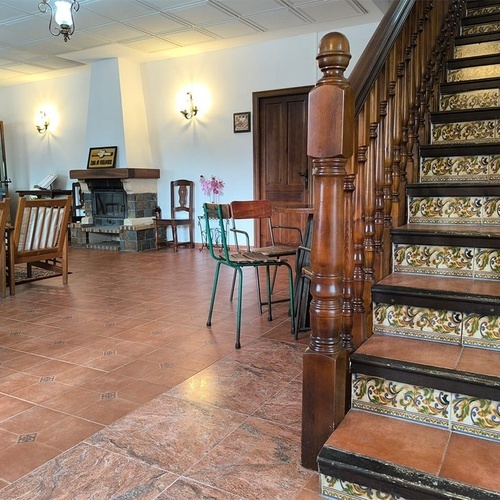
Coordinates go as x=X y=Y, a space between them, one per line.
x=61 y=16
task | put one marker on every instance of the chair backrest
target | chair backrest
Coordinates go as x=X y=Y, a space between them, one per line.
x=40 y=229
x=258 y=210
x=4 y=217
x=216 y=236
x=182 y=199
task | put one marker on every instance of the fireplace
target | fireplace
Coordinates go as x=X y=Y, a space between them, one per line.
x=119 y=205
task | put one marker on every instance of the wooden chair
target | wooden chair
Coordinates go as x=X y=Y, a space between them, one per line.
x=181 y=214
x=261 y=210
x=4 y=218
x=40 y=237
x=238 y=261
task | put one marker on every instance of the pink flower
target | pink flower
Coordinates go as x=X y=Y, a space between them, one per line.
x=212 y=185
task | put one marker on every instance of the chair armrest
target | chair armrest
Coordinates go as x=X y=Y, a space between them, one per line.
x=244 y=233
x=293 y=228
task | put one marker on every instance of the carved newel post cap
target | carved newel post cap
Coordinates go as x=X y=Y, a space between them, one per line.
x=333 y=54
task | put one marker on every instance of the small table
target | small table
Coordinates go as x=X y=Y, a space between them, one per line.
x=45 y=193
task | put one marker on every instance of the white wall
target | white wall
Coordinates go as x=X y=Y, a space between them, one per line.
x=206 y=145
x=180 y=148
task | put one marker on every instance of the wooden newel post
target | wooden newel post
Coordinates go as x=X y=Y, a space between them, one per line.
x=330 y=144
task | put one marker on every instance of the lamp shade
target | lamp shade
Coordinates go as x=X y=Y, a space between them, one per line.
x=63 y=16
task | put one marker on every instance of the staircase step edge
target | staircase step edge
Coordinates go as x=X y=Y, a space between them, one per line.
x=392 y=478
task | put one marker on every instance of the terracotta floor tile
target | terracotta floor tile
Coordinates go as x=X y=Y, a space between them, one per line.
x=483 y=471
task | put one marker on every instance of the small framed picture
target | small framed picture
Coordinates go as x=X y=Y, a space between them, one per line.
x=102 y=157
x=241 y=122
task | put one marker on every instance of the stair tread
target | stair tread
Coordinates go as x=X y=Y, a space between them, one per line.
x=461 y=359
x=478 y=230
x=453 y=285
x=437 y=453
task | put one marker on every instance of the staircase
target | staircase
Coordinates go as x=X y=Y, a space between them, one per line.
x=424 y=420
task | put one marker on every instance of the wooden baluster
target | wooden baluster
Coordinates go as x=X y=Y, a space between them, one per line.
x=379 y=191
x=348 y=293
x=330 y=142
x=359 y=328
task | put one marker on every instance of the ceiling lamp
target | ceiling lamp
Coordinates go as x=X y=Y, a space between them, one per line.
x=61 y=16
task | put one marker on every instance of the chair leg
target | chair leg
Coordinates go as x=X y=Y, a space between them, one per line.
x=231 y=295
x=259 y=296
x=157 y=242
x=174 y=238
x=292 y=301
x=3 y=272
x=214 y=290
x=269 y=294
x=238 y=314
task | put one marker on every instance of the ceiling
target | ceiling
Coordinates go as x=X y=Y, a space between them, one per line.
x=147 y=30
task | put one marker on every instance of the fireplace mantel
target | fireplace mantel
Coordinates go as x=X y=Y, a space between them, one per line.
x=115 y=173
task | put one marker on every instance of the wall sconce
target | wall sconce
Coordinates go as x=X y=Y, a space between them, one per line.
x=42 y=122
x=62 y=16
x=191 y=109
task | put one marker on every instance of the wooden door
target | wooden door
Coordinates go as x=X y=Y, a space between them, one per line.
x=282 y=173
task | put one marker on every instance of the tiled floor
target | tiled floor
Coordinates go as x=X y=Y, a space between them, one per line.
x=113 y=387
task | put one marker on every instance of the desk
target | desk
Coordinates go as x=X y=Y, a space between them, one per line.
x=44 y=193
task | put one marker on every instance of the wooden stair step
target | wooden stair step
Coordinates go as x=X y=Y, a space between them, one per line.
x=445 y=189
x=440 y=150
x=407 y=459
x=466 y=115
x=487 y=236
x=467 y=86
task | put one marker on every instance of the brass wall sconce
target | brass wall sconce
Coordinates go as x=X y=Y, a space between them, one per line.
x=191 y=108
x=61 y=15
x=42 y=122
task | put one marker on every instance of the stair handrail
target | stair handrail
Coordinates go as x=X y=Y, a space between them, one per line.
x=363 y=137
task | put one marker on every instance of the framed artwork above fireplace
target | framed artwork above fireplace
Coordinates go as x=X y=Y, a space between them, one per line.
x=104 y=157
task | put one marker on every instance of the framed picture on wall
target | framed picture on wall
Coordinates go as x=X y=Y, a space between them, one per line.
x=102 y=157
x=241 y=122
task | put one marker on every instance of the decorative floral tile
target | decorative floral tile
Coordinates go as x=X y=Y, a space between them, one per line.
x=428 y=259
x=481 y=28
x=477 y=49
x=475 y=416
x=481 y=11
x=491 y=210
x=474 y=73
x=481 y=331
x=332 y=487
x=410 y=402
x=459 y=168
x=436 y=210
x=475 y=99
x=487 y=263
x=481 y=130
x=418 y=322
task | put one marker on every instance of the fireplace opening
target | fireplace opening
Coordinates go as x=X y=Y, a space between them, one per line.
x=109 y=202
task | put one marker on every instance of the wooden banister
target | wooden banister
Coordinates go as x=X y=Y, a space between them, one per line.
x=363 y=137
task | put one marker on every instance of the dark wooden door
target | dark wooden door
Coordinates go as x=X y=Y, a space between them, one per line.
x=282 y=173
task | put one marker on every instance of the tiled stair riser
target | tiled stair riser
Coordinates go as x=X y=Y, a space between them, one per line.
x=456 y=210
x=463 y=132
x=453 y=327
x=460 y=168
x=477 y=49
x=481 y=28
x=482 y=11
x=488 y=98
x=475 y=73
x=436 y=407
x=447 y=261
x=332 y=487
